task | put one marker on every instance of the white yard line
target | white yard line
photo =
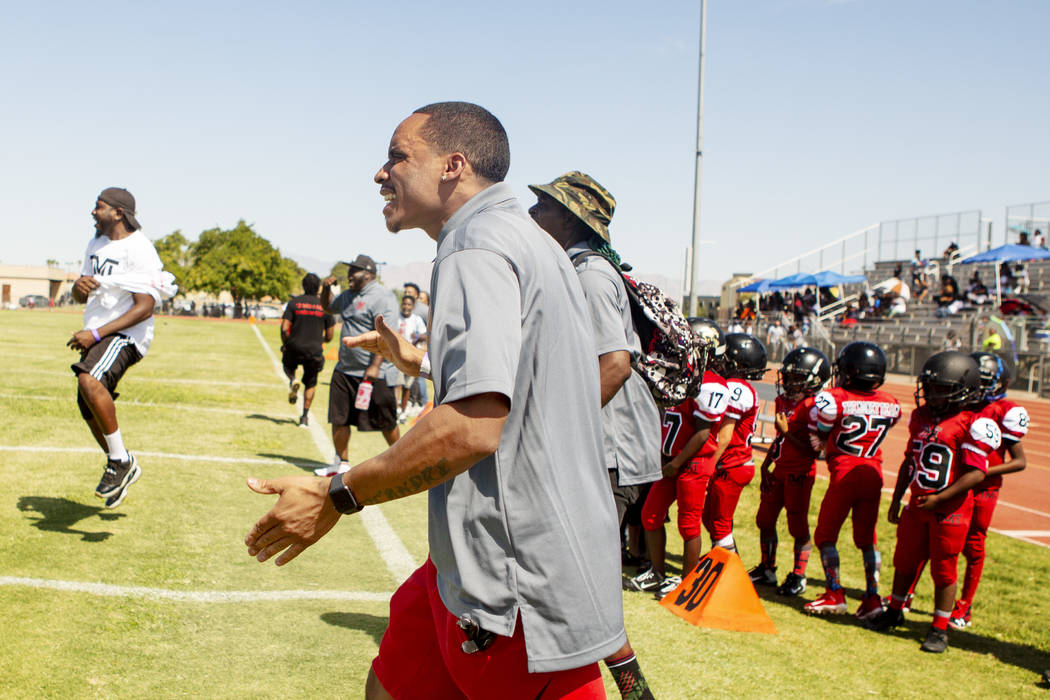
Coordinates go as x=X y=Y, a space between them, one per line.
x=144 y=404
x=166 y=380
x=105 y=589
x=393 y=551
x=159 y=455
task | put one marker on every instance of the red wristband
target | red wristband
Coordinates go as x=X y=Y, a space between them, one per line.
x=95 y=335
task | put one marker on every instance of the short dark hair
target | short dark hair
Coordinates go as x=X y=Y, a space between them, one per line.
x=472 y=131
x=413 y=285
x=311 y=283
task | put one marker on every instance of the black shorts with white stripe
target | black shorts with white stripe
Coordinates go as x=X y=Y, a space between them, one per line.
x=106 y=361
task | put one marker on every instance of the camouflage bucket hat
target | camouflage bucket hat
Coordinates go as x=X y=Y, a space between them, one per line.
x=583 y=196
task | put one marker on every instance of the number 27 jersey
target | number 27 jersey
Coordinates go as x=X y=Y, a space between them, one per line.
x=854 y=424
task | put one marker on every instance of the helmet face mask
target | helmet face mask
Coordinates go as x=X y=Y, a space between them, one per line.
x=949 y=382
x=712 y=338
x=860 y=366
x=804 y=372
x=995 y=375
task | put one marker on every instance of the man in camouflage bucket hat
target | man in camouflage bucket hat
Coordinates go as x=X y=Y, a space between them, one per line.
x=575 y=210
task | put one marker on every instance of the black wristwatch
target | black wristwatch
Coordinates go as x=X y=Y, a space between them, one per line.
x=342 y=497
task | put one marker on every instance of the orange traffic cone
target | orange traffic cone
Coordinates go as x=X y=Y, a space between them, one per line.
x=719 y=594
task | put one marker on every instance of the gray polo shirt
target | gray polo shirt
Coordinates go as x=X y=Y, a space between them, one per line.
x=631 y=420
x=530 y=529
x=358 y=311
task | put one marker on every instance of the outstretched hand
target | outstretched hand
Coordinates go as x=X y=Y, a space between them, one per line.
x=384 y=341
x=302 y=515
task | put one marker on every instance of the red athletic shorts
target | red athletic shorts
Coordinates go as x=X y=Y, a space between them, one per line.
x=790 y=491
x=690 y=489
x=722 y=496
x=859 y=490
x=420 y=655
x=939 y=537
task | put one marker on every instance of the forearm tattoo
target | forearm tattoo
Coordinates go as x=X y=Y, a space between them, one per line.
x=424 y=480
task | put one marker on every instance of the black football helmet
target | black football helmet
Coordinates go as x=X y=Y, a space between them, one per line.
x=861 y=365
x=803 y=373
x=744 y=357
x=948 y=382
x=995 y=375
x=711 y=336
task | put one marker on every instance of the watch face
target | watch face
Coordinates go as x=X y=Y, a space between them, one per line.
x=342 y=498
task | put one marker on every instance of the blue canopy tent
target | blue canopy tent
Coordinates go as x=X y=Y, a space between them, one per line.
x=758 y=286
x=827 y=278
x=1011 y=252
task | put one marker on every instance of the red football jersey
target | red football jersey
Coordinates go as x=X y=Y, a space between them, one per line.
x=942 y=450
x=789 y=456
x=743 y=406
x=1012 y=420
x=681 y=421
x=854 y=423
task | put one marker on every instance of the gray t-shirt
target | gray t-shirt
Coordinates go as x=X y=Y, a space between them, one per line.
x=631 y=420
x=530 y=529
x=358 y=311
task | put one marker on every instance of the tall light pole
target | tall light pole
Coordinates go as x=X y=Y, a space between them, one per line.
x=699 y=159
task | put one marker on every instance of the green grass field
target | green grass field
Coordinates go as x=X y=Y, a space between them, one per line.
x=205 y=410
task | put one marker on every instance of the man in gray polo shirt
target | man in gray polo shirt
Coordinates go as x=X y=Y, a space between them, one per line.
x=357 y=309
x=523 y=542
x=575 y=210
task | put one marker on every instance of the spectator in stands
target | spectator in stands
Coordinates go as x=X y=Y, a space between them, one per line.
x=950 y=251
x=898 y=305
x=863 y=304
x=949 y=291
x=749 y=311
x=1021 y=278
x=918 y=269
x=993 y=342
x=976 y=292
x=1039 y=240
x=898 y=270
x=1022 y=239
x=776 y=339
x=776 y=302
x=1006 y=277
x=850 y=316
x=735 y=326
x=951 y=341
x=809 y=300
x=920 y=290
x=797 y=337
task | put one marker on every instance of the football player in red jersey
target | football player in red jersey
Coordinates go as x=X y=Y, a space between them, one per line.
x=1012 y=420
x=687 y=446
x=852 y=419
x=947 y=456
x=788 y=487
x=744 y=359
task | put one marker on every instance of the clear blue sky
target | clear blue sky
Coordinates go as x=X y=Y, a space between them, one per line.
x=820 y=116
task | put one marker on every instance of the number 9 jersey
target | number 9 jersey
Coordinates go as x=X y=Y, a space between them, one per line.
x=854 y=423
x=941 y=450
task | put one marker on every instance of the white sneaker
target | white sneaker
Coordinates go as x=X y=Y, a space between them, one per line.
x=670 y=583
x=344 y=467
x=327 y=470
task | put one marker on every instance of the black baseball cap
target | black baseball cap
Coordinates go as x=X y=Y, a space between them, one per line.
x=120 y=198
x=362 y=262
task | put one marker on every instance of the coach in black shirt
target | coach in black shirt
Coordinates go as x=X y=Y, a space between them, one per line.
x=304 y=327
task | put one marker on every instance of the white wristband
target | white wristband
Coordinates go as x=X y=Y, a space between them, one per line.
x=424 y=366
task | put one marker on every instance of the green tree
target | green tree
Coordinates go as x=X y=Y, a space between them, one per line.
x=242 y=262
x=174 y=252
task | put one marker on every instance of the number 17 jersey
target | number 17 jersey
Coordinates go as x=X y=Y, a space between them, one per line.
x=854 y=423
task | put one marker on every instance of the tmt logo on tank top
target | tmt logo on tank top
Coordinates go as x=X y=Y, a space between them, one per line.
x=103 y=267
